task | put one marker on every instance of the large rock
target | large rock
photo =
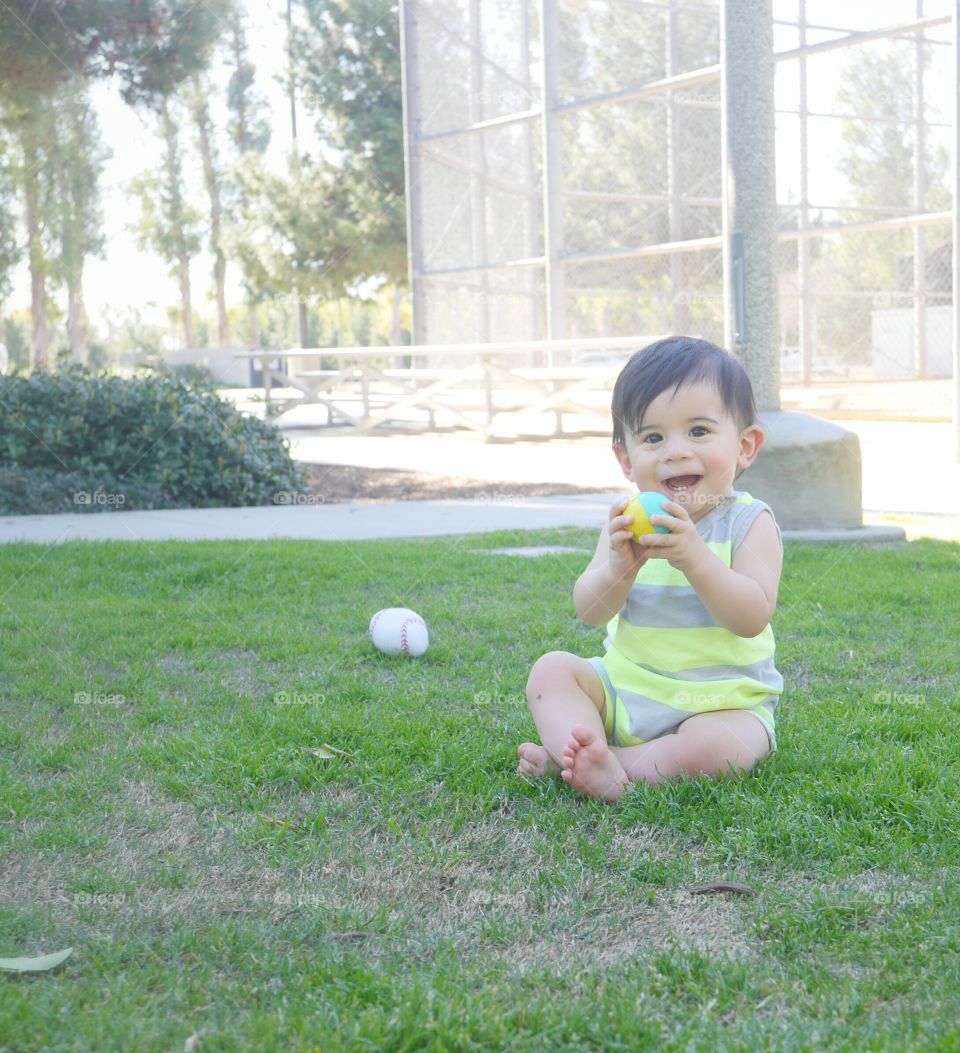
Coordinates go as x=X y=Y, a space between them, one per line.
x=808 y=471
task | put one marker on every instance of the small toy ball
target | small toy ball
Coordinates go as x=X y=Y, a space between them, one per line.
x=642 y=506
x=398 y=630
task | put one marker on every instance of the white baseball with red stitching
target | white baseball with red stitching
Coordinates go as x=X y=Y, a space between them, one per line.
x=398 y=630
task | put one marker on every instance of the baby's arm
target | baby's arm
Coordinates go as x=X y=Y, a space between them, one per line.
x=602 y=589
x=741 y=597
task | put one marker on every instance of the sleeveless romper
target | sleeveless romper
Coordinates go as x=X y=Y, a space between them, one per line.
x=668 y=658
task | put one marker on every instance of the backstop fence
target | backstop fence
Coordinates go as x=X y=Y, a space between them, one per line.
x=564 y=176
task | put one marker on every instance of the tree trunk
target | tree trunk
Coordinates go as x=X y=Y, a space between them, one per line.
x=77 y=329
x=395 y=335
x=184 y=274
x=176 y=210
x=202 y=117
x=254 y=323
x=239 y=57
x=39 y=333
x=72 y=261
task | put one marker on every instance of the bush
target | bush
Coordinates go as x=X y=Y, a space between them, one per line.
x=74 y=441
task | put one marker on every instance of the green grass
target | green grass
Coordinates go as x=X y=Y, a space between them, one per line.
x=216 y=878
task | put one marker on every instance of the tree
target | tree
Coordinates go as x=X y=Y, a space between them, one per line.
x=9 y=249
x=169 y=226
x=30 y=129
x=77 y=157
x=249 y=133
x=299 y=230
x=352 y=82
x=151 y=45
x=213 y=179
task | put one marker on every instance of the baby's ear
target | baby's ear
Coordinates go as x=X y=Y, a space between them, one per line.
x=752 y=439
x=623 y=457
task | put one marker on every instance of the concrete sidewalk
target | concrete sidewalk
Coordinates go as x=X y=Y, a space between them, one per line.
x=908 y=468
x=908 y=472
x=407 y=519
x=316 y=522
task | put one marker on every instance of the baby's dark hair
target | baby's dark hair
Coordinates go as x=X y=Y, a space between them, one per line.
x=669 y=363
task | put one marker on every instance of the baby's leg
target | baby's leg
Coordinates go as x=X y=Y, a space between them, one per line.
x=705 y=744
x=564 y=691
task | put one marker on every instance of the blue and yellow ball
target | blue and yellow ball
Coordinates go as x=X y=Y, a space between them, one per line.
x=642 y=506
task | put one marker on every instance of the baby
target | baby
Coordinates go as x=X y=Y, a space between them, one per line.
x=688 y=684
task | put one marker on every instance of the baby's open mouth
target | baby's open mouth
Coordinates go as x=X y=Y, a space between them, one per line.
x=677 y=484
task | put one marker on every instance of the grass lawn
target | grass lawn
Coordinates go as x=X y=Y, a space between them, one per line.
x=162 y=813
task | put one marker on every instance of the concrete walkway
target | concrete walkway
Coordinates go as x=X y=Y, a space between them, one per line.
x=908 y=472
x=357 y=522
x=908 y=468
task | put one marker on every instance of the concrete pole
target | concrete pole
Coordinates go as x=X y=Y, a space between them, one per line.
x=680 y=313
x=956 y=226
x=749 y=194
x=410 y=71
x=478 y=185
x=804 y=274
x=552 y=173
x=530 y=215
x=919 y=207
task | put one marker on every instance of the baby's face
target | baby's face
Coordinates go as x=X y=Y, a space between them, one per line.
x=689 y=448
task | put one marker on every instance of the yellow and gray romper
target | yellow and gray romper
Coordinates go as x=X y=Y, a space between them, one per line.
x=668 y=658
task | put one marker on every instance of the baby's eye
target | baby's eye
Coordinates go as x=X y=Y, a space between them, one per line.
x=653 y=436
x=700 y=428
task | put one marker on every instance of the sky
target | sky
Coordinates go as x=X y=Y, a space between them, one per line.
x=129 y=277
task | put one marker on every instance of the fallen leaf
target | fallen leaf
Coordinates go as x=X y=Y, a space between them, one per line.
x=328 y=752
x=35 y=965
x=722 y=886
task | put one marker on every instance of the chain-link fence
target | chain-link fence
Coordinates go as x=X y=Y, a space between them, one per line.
x=629 y=153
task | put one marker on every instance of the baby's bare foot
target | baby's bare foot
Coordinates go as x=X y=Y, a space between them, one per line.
x=534 y=760
x=590 y=767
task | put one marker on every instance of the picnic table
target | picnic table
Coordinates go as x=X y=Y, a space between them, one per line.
x=365 y=393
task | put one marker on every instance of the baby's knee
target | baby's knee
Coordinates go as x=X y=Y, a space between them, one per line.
x=547 y=669
x=715 y=748
x=561 y=669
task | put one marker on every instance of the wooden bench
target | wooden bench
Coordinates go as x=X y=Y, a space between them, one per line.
x=384 y=394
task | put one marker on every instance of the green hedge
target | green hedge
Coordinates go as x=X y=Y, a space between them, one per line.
x=75 y=441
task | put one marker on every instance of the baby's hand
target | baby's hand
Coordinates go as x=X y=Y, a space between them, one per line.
x=626 y=556
x=683 y=547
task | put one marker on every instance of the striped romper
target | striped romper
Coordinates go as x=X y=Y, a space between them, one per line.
x=668 y=658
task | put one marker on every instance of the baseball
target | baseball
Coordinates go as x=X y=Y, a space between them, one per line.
x=398 y=630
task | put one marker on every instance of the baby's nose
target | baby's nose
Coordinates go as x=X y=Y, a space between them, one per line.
x=676 y=448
